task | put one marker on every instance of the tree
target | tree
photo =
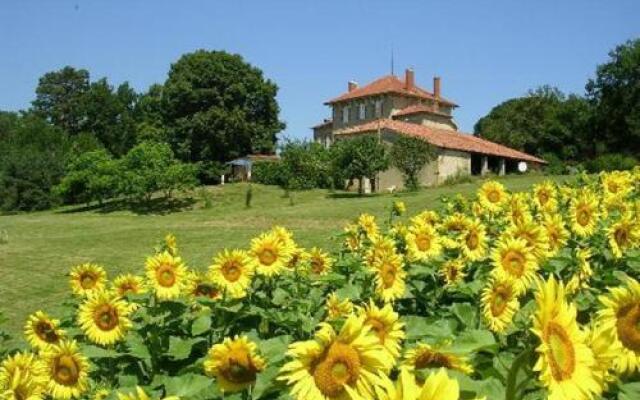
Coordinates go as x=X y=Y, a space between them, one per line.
x=615 y=93
x=59 y=97
x=361 y=157
x=544 y=121
x=410 y=155
x=32 y=160
x=218 y=107
x=305 y=165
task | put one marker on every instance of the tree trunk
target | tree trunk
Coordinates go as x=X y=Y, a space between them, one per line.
x=361 y=186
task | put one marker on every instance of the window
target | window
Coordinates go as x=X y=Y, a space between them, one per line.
x=345 y=115
x=362 y=111
x=378 y=108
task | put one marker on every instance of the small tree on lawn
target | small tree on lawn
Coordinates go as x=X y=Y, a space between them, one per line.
x=360 y=158
x=410 y=155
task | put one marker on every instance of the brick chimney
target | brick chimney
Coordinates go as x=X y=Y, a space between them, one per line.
x=409 y=79
x=436 y=87
x=353 y=85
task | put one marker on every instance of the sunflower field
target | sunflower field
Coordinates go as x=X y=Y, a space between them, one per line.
x=531 y=295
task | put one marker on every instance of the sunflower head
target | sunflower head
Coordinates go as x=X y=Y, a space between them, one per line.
x=399 y=208
x=232 y=271
x=492 y=196
x=499 y=303
x=623 y=234
x=438 y=386
x=473 y=241
x=234 y=363
x=338 y=308
x=167 y=275
x=385 y=324
x=319 y=262
x=584 y=213
x=270 y=254
x=555 y=232
x=453 y=271
x=199 y=285
x=426 y=356
x=422 y=242
x=513 y=260
x=544 y=195
x=380 y=247
x=367 y=224
x=171 y=244
x=22 y=376
x=104 y=318
x=390 y=277
x=126 y=284
x=352 y=239
x=42 y=331
x=67 y=371
x=87 y=278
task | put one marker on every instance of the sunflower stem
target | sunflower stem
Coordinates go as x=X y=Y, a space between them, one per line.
x=518 y=362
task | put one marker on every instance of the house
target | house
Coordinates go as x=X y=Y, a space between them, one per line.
x=390 y=106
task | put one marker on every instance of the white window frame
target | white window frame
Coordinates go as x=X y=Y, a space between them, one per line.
x=362 y=111
x=345 y=115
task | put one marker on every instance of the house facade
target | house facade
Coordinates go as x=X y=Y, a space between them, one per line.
x=390 y=106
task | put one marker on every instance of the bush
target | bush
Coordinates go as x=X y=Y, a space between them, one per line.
x=92 y=176
x=410 y=155
x=610 y=162
x=267 y=173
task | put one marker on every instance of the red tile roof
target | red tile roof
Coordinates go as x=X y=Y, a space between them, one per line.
x=419 y=108
x=442 y=138
x=388 y=84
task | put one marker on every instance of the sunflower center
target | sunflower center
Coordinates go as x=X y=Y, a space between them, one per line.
x=423 y=242
x=388 y=275
x=317 y=265
x=452 y=273
x=621 y=236
x=584 y=216
x=232 y=271
x=378 y=327
x=543 y=197
x=561 y=353
x=240 y=369
x=513 y=262
x=88 y=280
x=612 y=187
x=166 y=275
x=341 y=366
x=472 y=240
x=432 y=359
x=628 y=320
x=127 y=287
x=493 y=196
x=46 y=332
x=106 y=317
x=501 y=297
x=204 y=290
x=66 y=370
x=267 y=257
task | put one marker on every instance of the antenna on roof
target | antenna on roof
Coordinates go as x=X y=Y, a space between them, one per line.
x=392 y=59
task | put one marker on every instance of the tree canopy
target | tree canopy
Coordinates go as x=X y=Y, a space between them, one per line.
x=360 y=158
x=410 y=155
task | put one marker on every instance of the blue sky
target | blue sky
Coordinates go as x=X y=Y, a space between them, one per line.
x=485 y=51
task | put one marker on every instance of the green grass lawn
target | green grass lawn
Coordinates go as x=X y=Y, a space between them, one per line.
x=43 y=246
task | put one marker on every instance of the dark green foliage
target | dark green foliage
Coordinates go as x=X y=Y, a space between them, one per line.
x=611 y=162
x=360 y=158
x=32 y=159
x=615 y=92
x=410 y=155
x=267 y=172
x=218 y=107
x=305 y=165
x=92 y=176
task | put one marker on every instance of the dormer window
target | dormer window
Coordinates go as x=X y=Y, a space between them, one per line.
x=378 y=108
x=345 y=115
x=361 y=111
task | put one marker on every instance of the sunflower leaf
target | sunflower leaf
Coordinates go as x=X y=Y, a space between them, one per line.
x=179 y=348
x=201 y=325
x=189 y=386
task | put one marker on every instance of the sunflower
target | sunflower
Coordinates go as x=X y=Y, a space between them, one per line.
x=518 y=210
x=534 y=235
x=381 y=247
x=565 y=361
x=297 y=256
x=399 y=208
x=234 y=363
x=367 y=224
x=605 y=350
x=424 y=356
x=319 y=261
x=621 y=314
x=513 y=260
x=22 y=377
x=140 y=394
x=129 y=284
x=455 y=223
x=473 y=241
x=284 y=235
x=100 y=393
x=623 y=235
x=337 y=308
x=499 y=304
x=555 y=232
x=42 y=331
x=615 y=206
x=579 y=280
x=67 y=371
x=583 y=213
x=390 y=277
x=232 y=271
x=426 y=217
x=167 y=274
x=87 y=278
x=453 y=272
x=104 y=318
x=422 y=243
x=199 y=285
x=405 y=387
x=171 y=244
x=544 y=195
x=616 y=183
x=386 y=325
x=346 y=365
x=352 y=237
x=269 y=254
x=438 y=386
x=492 y=196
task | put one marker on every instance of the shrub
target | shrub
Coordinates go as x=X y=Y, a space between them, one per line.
x=461 y=176
x=267 y=172
x=410 y=155
x=92 y=176
x=610 y=162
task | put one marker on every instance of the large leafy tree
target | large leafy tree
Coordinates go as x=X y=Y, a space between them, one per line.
x=615 y=92
x=410 y=155
x=361 y=157
x=59 y=98
x=217 y=107
x=544 y=121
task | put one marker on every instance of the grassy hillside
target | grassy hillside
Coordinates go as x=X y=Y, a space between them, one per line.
x=43 y=246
